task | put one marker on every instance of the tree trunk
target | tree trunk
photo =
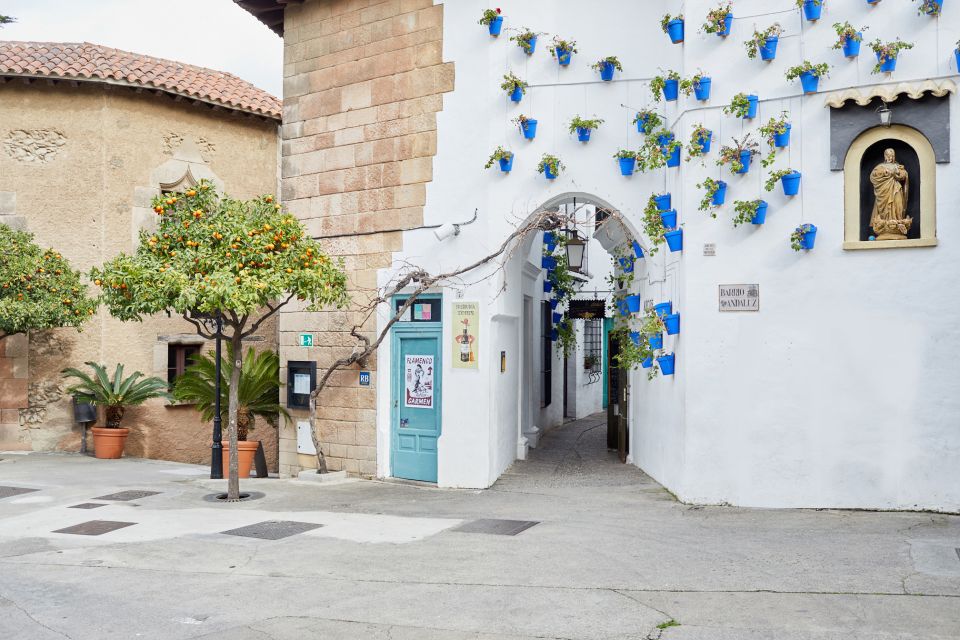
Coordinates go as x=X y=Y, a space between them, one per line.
x=233 y=481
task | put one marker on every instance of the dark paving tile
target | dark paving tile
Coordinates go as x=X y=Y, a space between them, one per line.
x=273 y=529
x=87 y=505
x=124 y=496
x=9 y=492
x=496 y=527
x=95 y=527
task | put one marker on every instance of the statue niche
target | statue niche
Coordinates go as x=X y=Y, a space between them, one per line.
x=889 y=192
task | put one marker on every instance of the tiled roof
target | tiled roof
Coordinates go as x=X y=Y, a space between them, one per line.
x=94 y=63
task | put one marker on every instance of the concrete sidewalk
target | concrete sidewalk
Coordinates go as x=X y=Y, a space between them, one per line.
x=612 y=556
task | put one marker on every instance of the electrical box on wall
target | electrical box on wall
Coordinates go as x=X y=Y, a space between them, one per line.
x=301 y=381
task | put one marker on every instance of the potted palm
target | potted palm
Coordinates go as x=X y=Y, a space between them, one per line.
x=114 y=395
x=258 y=395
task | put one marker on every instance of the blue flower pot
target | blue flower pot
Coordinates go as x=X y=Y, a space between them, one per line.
x=662 y=202
x=554 y=303
x=548 y=173
x=935 y=10
x=664 y=308
x=554 y=335
x=644 y=125
x=550 y=238
x=547 y=286
x=812 y=9
x=506 y=164
x=622 y=308
x=673 y=160
x=704 y=141
x=808 y=238
x=873 y=2
x=563 y=57
x=532 y=46
x=769 y=49
x=761 y=215
x=672 y=323
x=517 y=94
x=626 y=264
x=720 y=196
x=674 y=240
x=627 y=166
x=495 y=26
x=637 y=250
x=727 y=23
x=633 y=304
x=635 y=337
x=956 y=54
x=675 y=31
x=745 y=157
x=851 y=47
x=809 y=82
x=887 y=65
x=529 y=129
x=656 y=342
x=667 y=364
x=647 y=362
x=752 y=110
x=557 y=317
x=671 y=90
x=606 y=71
x=583 y=134
x=791 y=183
x=548 y=262
x=702 y=89
x=782 y=140
x=669 y=218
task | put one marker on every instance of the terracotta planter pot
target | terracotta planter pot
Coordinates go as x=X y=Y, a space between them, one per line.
x=108 y=443
x=245 y=451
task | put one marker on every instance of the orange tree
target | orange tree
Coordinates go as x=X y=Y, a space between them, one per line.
x=38 y=289
x=213 y=256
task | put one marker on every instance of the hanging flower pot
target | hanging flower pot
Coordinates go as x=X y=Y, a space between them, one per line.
x=557 y=317
x=528 y=126
x=622 y=307
x=703 y=140
x=812 y=9
x=782 y=140
x=606 y=67
x=548 y=173
x=627 y=165
x=809 y=81
x=674 y=240
x=669 y=218
x=956 y=54
x=647 y=121
x=506 y=164
x=662 y=201
x=516 y=95
x=548 y=262
x=563 y=50
x=493 y=20
x=501 y=156
x=637 y=250
x=655 y=341
x=745 y=157
x=672 y=323
x=635 y=337
x=720 y=195
x=550 y=239
x=547 y=286
x=667 y=364
x=671 y=90
x=550 y=166
x=719 y=20
x=791 y=183
x=633 y=303
x=851 y=47
x=848 y=39
x=563 y=57
x=583 y=134
x=701 y=88
x=554 y=335
x=752 y=109
x=803 y=237
x=647 y=362
x=496 y=25
x=670 y=151
x=675 y=30
x=760 y=216
x=664 y=308
x=931 y=7
x=768 y=51
x=887 y=64
x=554 y=303
x=626 y=263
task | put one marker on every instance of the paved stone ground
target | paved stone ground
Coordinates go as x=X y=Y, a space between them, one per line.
x=613 y=557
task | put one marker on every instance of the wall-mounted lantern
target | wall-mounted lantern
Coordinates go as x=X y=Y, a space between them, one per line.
x=886 y=115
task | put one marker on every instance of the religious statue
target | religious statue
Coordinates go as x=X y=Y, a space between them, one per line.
x=891 y=185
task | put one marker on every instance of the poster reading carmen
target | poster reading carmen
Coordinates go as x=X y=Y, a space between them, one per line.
x=418 y=381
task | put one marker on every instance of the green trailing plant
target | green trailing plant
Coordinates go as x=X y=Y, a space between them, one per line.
x=667 y=19
x=654 y=121
x=38 y=287
x=653 y=226
x=596 y=66
x=619 y=279
x=846 y=31
x=625 y=153
x=697 y=77
x=730 y=155
x=716 y=18
x=775 y=176
x=498 y=154
x=567 y=336
x=488 y=16
x=561 y=277
x=710 y=188
x=512 y=82
x=759 y=39
x=653 y=155
x=819 y=70
x=521 y=121
x=695 y=146
x=797 y=236
x=258 y=394
x=631 y=355
x=591 y=361
x=548 y=160
x=888 y=51
x=769 y=131
x=739 y=106
x=114 y=394
x=524 y=37
x=581 y=123
x=929 y=7
x=744 y=211
x=560 y=43
x=658 y=83
x=800 y=3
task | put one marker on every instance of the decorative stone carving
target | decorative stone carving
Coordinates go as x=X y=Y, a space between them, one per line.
x=891 y=186
x=33 y=146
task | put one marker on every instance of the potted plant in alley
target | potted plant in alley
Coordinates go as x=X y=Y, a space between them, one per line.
x=809 y=75
x=743 y=106
x=714 y=195
x=739 y=154
x=527 y=126
x=887 y=53
x=550 y=166
x=627 y=160
x=258 y=395
x=764 y=42
x=668 y=86
x=719 y=20
x=562 y=50
x=514 y=87
x=526 y=40
x=582 y=127
x=752 y=211
x=673 y=27
x=663 y=201
x=647 y=121
x=492 y=19
x=848 y=39
x=503 y=157
x=777 y=134
x=114 y=395
x=667 y=363
x=606 y=67
x=674 y=240
x=701 y=86
x=803 y=237
x=699 y=144
x=930 y=7
x=812 y=9
x=789 y=178
x=653 y=225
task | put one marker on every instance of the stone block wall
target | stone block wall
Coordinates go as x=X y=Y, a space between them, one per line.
x=13 y=390
x=363 y=82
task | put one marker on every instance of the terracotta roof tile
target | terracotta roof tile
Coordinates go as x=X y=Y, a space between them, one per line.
x=91 y=62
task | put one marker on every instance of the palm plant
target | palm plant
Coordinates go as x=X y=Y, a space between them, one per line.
x=258 y=393
x=117 y=394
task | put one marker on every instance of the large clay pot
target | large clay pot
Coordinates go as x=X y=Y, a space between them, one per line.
x=245 y=450
x=108 y=443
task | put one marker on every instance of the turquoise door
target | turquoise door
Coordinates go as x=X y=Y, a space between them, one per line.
x=416 y=388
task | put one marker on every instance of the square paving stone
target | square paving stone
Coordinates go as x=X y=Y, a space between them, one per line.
x=273 y=529
x=9 y=492
x=95 y=527
x=496 y=527
x=87 y=505
x=124 y=496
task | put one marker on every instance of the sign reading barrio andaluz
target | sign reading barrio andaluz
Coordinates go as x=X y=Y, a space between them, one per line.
x=739 y=297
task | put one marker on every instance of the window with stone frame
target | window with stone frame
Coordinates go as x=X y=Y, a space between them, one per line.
x=179 y=357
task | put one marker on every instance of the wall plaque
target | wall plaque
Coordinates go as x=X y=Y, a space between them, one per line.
x=739 y=297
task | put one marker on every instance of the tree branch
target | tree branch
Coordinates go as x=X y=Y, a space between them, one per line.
x=272 y=311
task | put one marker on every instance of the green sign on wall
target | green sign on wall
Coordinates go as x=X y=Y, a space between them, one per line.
x=305 y=340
